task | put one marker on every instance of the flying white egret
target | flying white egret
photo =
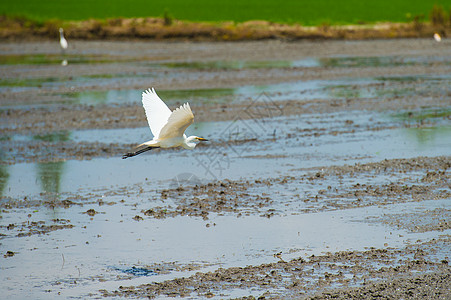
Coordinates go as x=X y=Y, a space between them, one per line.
x=168 y=128
x=63 y=41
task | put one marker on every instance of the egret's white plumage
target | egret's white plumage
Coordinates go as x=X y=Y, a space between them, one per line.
x=437 y=37
x=63 y=41
x=168 y=128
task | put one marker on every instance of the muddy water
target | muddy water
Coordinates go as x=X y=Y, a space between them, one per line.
x=226 y=158
x=329 y=169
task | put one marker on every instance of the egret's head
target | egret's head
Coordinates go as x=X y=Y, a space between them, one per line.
x=61 y=30
x=193 y=140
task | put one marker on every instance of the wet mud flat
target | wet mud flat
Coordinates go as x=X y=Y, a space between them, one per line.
x=327 y=174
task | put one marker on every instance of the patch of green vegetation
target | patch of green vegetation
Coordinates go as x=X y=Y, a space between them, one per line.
x=343 y=91
x=35 y=59
x=425 y=114
x=41 y=59
x=31 y=82
x=305 y=12
x=399 y=78
x=208 y=95
x=104 y=76
x=227 y=65
x=62 y=136
x=357 y=61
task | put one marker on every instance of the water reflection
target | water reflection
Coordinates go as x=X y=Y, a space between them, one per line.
x=204 y=95
x=309 y=62
x=49 y=175
x=60 y=136
x=430 y=125
x=429 y=136
x=4 y=175
x=169 y=96
x=241 y=64
x=299 y=90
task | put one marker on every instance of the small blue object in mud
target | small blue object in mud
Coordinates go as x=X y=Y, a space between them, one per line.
x=137 y=271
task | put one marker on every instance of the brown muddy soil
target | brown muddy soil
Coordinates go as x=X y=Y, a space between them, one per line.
x=28 y=228
x=253 y=197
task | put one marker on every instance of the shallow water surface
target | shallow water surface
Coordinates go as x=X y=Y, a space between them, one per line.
x=57 y=262
x=300 y=142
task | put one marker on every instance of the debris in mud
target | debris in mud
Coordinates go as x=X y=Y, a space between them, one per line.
x=91 y=212
x=217 y=197
x=138 y=218
x=137 y=271
x=9 y=254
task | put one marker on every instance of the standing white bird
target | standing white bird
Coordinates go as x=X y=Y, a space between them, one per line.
x=168 y=128
x=63 y=41
x=437 y=37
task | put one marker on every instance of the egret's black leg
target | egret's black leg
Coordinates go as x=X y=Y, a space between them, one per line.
x=131 y=154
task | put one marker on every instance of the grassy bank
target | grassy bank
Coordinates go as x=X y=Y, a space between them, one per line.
x=12 y=27
x=304 y=12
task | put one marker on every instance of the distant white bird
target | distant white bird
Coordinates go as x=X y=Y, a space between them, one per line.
x=63 y=41
x=168 y=128
x=437 y=37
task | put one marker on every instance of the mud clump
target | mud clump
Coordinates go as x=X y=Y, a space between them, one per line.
x=30 y=228
x=9 y=254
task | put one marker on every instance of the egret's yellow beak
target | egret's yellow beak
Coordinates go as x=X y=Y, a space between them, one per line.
x=201 y=139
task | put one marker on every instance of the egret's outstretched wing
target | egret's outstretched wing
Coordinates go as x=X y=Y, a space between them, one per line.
x=179 y=120
x=157 y=112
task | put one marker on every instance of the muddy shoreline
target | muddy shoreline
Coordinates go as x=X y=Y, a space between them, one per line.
x=178 y=30
x=296 y=278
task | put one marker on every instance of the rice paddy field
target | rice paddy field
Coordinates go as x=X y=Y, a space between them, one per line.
x=291 y=11
x=327 y=174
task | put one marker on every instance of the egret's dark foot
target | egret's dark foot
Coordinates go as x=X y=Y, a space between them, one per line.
x=127 y=155
x=131 y=154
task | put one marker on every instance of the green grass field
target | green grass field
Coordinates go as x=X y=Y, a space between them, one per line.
x=306 y=12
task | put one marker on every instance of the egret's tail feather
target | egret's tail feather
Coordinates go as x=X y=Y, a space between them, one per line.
x=142 y=150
